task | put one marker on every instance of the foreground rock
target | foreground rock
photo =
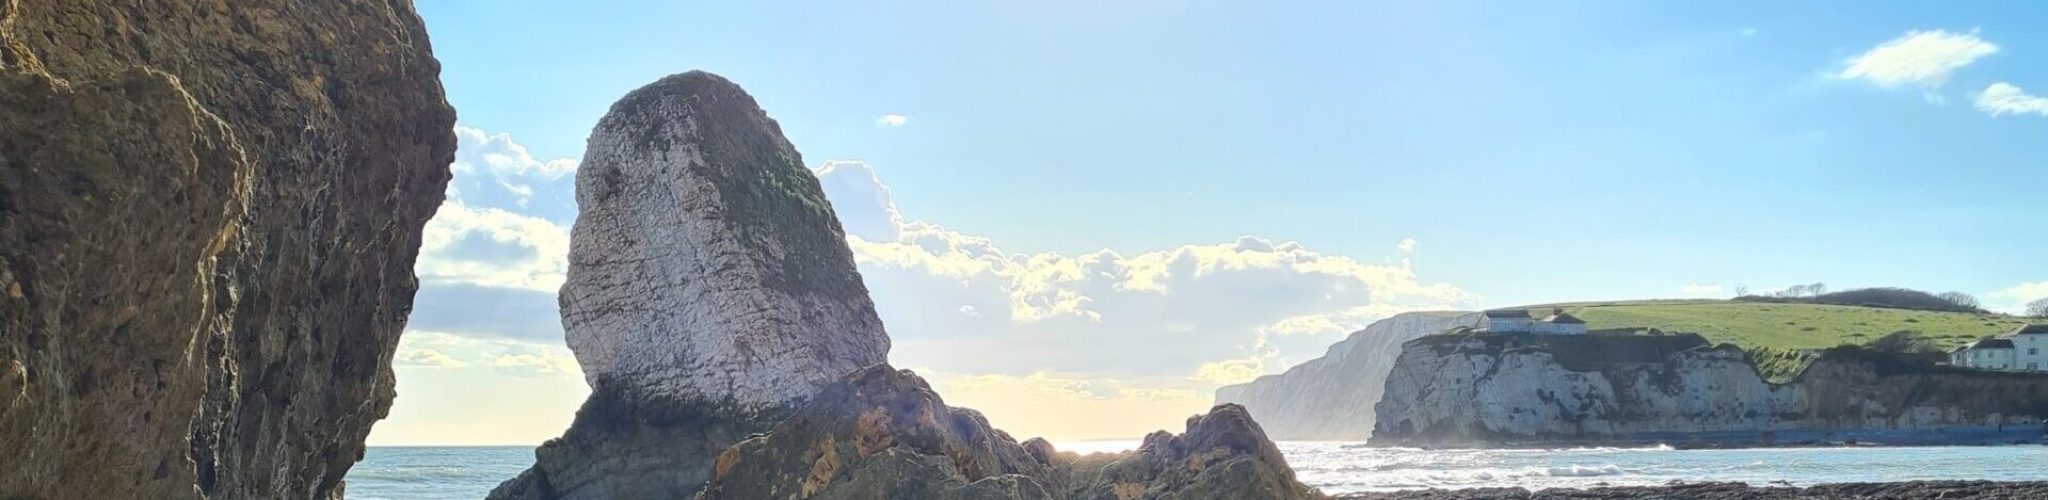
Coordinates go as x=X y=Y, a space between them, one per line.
x=1493 y=390
x=883 y=433
x=710 y=291
x=1331 y=398
x=209 y=214
x=733 y=351
x=1907 y=490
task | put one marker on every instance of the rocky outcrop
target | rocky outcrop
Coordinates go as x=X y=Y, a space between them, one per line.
x=1470 y=389
x=883 y=433
x=1223 y=454
x=209 y=214
x=710 y=292
x=1331 y=397
x=733 y=352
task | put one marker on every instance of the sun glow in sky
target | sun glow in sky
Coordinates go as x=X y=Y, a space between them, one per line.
x=1082 y=217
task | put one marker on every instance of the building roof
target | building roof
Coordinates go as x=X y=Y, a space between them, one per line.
x=2035 y=329
x=1993 y=343
x=1508 y=314
x=1564 y=318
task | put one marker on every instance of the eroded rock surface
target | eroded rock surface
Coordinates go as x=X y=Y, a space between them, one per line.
x=209 y=213
x=710 y=291
x=1330 y=398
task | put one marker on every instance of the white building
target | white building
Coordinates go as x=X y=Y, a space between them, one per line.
x=2024 y=348
x=1505 y=321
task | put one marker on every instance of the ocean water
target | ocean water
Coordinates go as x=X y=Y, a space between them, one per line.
x=436 y=473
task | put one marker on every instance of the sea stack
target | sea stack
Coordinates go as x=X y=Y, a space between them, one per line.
x=209 y=213
x=733 y=351
x=710 y=291
x=706 y=267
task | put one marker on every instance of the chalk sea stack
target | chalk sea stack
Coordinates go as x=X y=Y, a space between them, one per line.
x=209 y=213
x=733 y=352
x=710 y=291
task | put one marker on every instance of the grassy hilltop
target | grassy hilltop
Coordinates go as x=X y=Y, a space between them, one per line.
x=1779 y=335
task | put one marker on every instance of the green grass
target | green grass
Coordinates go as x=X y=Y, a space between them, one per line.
x=1788 y=326
x=1781 y=336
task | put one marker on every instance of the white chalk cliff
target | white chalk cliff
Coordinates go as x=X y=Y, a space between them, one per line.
x=1486 y=390
x=1331 y=397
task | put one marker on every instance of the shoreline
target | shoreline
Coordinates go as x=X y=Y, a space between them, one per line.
x=1734 y=491
x=1989 y=435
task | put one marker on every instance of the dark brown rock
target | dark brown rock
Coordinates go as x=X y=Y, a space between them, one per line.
x=1223 y=454
x=883 y=433
x=209 y=213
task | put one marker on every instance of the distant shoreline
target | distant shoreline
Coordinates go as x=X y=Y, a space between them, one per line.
x=1735 y=490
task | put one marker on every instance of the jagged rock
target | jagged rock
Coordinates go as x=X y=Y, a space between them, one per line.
x=883 y=433
x=1331 y=397
x=710 y=291
x=1223 y=454
x=209 y=214
x=1491 y=390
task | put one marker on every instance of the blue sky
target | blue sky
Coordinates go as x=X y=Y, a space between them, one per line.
x=1453 y=154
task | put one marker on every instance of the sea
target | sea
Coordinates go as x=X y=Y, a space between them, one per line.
x=437 y=473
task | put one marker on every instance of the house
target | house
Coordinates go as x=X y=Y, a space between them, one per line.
x=1510 y=321
x=2024 y=348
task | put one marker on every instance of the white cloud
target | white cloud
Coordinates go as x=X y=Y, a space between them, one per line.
x=891 y=120
x=2014 y=299
x=865 y=207
x=1746 y=31
x=537 y=363
x=424 y=357
x=2004 y=98
x=1923 y=58
x=492 y=248
x=1699 y=290
x=1197 y=312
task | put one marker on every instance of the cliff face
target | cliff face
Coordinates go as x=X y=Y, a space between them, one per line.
x=208 y=220
x=1332 y=397
x=1490 y=390
x=733 y=351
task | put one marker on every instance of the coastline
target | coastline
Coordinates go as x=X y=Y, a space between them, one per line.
x=1735 y=490
x=1726 y=440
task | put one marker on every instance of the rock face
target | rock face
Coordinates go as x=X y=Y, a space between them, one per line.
x=208 y=220
x=883 y=433
x=1463 y=389
x=710 y=291
x=706 y=265
x=734 y=354
x=1331 y=397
